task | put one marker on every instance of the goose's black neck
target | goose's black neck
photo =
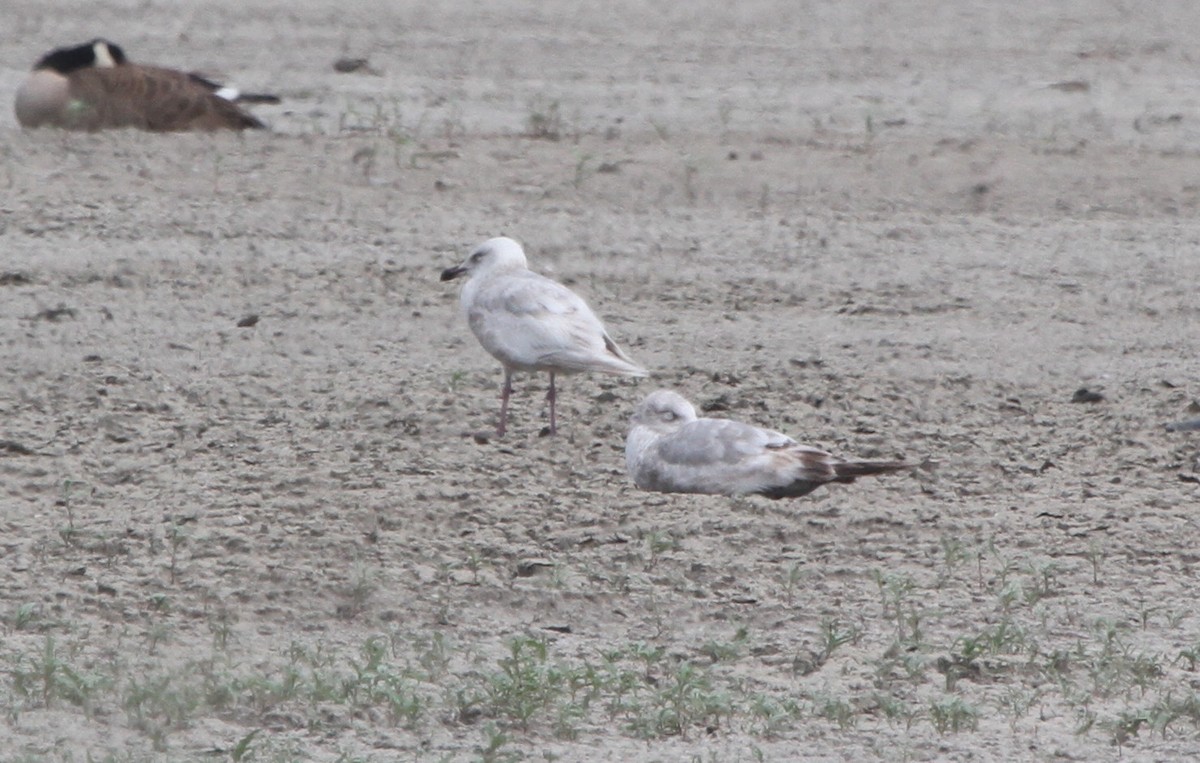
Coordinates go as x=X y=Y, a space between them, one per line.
x=67 y=60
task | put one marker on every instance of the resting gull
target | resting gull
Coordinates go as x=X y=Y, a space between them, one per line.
x=530 y=323
x=670 y=450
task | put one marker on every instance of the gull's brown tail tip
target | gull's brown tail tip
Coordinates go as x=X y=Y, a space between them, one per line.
x=258 y=98
x=848 y=471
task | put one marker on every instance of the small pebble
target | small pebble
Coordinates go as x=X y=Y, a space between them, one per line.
x=1085 y=395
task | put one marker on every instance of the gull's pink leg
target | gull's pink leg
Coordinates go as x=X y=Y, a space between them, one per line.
x=551 y=396
x=504 y=393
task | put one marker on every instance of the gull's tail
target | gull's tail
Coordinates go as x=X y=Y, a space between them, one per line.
x=623 y=368
x=618 y=362
x=240 y=97
x=848 y=471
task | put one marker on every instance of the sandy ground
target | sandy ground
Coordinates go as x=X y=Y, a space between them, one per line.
x=910 y=229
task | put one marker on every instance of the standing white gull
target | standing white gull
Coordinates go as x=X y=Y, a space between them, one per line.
x=670 y=450
x=530 y=323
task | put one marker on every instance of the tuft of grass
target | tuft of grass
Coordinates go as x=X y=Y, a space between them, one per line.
x=726 y=651
x=24 y=616
x=953 y=715
x=657 y=544
x=837 y=709
x=544 y=121
x=243 y=747
x=51 y=677
x=177 y=538
x=582 y=172
x=364 y=583
x=1028 y=650
x=835 y=635
x=795 y=574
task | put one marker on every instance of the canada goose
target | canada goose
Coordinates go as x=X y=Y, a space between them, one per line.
x=94 y=86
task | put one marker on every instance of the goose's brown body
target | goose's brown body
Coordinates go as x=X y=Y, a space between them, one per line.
x=93 y=87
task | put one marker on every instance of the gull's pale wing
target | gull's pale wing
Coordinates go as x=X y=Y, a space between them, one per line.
x=717 y=442
x=530 y=322
x=720 y=456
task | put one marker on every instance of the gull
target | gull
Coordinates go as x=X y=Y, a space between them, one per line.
x=94 y=87
x=670 y=450
x=531 y=323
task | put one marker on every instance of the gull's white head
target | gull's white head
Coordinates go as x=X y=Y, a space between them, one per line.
x=492 y=256
x=663 y=411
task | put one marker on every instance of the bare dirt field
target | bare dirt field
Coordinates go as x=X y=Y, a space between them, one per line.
x=241 y=513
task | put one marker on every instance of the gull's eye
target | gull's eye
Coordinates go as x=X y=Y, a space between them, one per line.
x=477 y=257
x=668 y=415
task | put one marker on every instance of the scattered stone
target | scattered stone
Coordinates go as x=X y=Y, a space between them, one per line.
x=1085 y=395
x=349 y=65
x=806 y=362
x=54 y=314
x=14 y=278
x=530 y=567
x=1145 y=123
x=248 y=321
x=1071 y=86
x=1191 y=425
x=14 y=448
